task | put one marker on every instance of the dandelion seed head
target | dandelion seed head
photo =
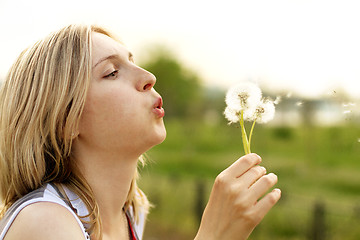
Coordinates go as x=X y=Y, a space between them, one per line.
x=263 y=113
x=243 y=96
x=231 y=115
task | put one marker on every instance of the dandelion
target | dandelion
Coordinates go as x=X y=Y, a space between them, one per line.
x=264 y=112
x=231 y=115
x=244 y=103
x=243 y=96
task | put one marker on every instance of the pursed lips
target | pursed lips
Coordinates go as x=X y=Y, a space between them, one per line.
x=158 y=109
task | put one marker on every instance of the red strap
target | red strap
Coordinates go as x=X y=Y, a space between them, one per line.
x=132 y=232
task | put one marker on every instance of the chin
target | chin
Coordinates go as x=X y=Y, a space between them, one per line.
x=161 y=136
x=154 y=141
x=158 y=135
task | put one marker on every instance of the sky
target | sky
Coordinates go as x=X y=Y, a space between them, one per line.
x=308 y=47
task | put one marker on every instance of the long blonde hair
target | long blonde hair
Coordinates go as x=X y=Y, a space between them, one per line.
x=41 y=102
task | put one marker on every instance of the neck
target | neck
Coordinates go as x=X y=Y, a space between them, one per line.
x=109 y=176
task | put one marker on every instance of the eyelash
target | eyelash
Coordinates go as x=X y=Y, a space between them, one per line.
x=112 y=74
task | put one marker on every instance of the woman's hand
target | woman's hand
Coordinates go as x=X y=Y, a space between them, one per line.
x=234 y=208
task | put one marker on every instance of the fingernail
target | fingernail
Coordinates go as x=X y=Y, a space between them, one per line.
x=272 y=174
x=277 y=190
x=258 y=157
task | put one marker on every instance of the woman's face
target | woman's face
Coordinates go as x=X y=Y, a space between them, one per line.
x=123 y=113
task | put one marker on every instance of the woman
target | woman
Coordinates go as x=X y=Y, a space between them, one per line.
x=76 y=116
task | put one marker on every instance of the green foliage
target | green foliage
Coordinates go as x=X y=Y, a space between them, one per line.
x=284 y=133
x=179 y=86
x=328 y=171
x=312 y=163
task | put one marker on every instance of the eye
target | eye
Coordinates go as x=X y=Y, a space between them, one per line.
x=113 y=74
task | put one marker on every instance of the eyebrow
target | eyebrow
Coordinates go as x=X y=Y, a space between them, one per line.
x=110 y=57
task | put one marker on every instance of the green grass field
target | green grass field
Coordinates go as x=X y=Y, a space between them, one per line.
x=313 y=165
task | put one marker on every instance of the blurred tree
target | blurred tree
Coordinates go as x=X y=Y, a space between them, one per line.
x=214 y=105
x=179 y=86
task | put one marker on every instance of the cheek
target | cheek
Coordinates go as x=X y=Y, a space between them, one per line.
x=103 y=111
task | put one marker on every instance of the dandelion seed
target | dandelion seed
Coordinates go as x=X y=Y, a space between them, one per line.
x=288 y=95
x=231 y=115
x=347 y=112
x=331 y=93
x=277 y=100
x=350 y=104
x=299 y=104
x=243 y=96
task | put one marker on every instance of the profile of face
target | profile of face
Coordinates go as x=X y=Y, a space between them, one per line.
x=122 y=113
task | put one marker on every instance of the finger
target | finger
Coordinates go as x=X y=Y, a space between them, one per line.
x=261 y=186
x=243 y=164
x=251 y=176
x=267 y=202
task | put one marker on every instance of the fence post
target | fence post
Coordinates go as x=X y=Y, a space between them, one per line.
x=318 y=228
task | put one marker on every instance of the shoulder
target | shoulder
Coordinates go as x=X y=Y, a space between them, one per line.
x=44 y=220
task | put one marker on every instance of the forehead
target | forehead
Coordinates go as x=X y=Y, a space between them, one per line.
x=104 y=46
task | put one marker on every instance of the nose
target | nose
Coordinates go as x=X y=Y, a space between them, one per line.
x=147 y=81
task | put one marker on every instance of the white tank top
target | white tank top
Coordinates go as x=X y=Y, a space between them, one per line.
x=50 y=193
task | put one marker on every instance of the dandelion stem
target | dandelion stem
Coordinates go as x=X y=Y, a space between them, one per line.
x=243 y=134
x=251 y=133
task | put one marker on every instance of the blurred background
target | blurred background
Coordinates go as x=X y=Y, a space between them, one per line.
x=305 y=53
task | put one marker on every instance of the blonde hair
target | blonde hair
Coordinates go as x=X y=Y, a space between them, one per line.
x=41 y=102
